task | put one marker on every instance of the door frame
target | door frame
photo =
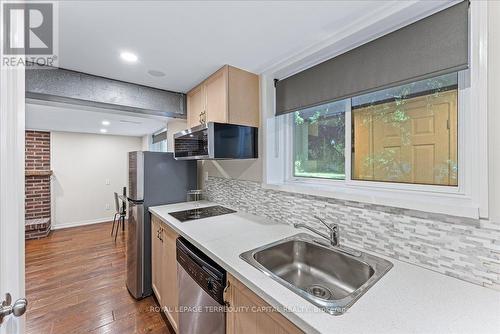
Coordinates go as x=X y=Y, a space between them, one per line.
x=12 y=128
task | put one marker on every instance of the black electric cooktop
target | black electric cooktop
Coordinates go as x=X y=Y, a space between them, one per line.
x=200 y=213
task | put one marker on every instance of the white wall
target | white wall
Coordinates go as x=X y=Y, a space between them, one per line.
x=146 y=142
x=494 y=109
x=81 y=164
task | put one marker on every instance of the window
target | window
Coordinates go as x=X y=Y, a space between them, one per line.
x=158 y=141
x=319 y=141
x=405 y=134
x=160 y=146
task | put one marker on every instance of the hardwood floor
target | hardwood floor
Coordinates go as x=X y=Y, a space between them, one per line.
x=75 y=283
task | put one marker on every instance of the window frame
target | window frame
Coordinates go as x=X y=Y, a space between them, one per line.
x=367 y=184
x=468 y=199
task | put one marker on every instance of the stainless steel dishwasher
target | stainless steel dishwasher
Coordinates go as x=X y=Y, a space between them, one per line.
x=201 y=285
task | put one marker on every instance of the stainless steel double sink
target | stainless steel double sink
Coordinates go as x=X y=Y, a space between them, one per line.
x=332 y=278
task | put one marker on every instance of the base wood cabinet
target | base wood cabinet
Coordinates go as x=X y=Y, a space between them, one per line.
x=230 y=95
x=164 y=269
x=156 y=258
x=249 y=314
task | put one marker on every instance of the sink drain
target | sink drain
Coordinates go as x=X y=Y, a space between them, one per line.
x=320 y=291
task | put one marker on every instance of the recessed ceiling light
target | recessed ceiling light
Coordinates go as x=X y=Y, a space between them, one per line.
x=105 y=123
x=128 y=56
x=103 y=130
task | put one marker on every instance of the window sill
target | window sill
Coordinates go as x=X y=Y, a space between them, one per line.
x=441 y=203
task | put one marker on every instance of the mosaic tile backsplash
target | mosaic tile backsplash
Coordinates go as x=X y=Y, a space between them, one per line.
x=464 y=248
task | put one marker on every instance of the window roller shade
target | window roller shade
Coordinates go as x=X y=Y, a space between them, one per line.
x=435 y=45
x=159 y=137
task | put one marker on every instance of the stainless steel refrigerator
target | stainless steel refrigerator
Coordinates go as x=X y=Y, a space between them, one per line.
x=155 y=178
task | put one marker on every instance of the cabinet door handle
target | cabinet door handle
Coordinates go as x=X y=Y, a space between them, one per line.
x=225 y=295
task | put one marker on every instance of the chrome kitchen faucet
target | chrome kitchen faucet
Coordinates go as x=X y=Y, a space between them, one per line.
x=333 y=237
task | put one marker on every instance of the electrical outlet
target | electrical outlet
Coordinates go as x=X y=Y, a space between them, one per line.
x=108 y=182
x=107 y=206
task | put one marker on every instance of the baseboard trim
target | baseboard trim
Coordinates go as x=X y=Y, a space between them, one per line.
x=56 y=226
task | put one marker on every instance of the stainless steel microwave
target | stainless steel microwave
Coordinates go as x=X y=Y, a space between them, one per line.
x=213 y=141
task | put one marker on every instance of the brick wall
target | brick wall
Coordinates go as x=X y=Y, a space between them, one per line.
x=37 y=150
x=37 y=187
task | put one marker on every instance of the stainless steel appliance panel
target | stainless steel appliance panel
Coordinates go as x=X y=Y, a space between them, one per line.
x=135 y=249
x=201 y=282
x=167 y=180
x=194 y=143
x=155 y=178
x=199 y=319
x=136 y=175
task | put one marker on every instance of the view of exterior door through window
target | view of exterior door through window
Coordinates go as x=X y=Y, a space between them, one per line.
x=411 y=140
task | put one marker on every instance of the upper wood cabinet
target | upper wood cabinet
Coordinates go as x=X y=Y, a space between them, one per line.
x=195 y=106
x=230 y=95
x=246 y=319
x=216 y=96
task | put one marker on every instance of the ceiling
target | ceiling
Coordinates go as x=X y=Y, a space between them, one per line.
x=188 y=40
x=72 y=118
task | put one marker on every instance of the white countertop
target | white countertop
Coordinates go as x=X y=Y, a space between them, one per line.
x=408 y=299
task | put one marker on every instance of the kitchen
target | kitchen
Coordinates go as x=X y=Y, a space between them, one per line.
x=330 y=171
